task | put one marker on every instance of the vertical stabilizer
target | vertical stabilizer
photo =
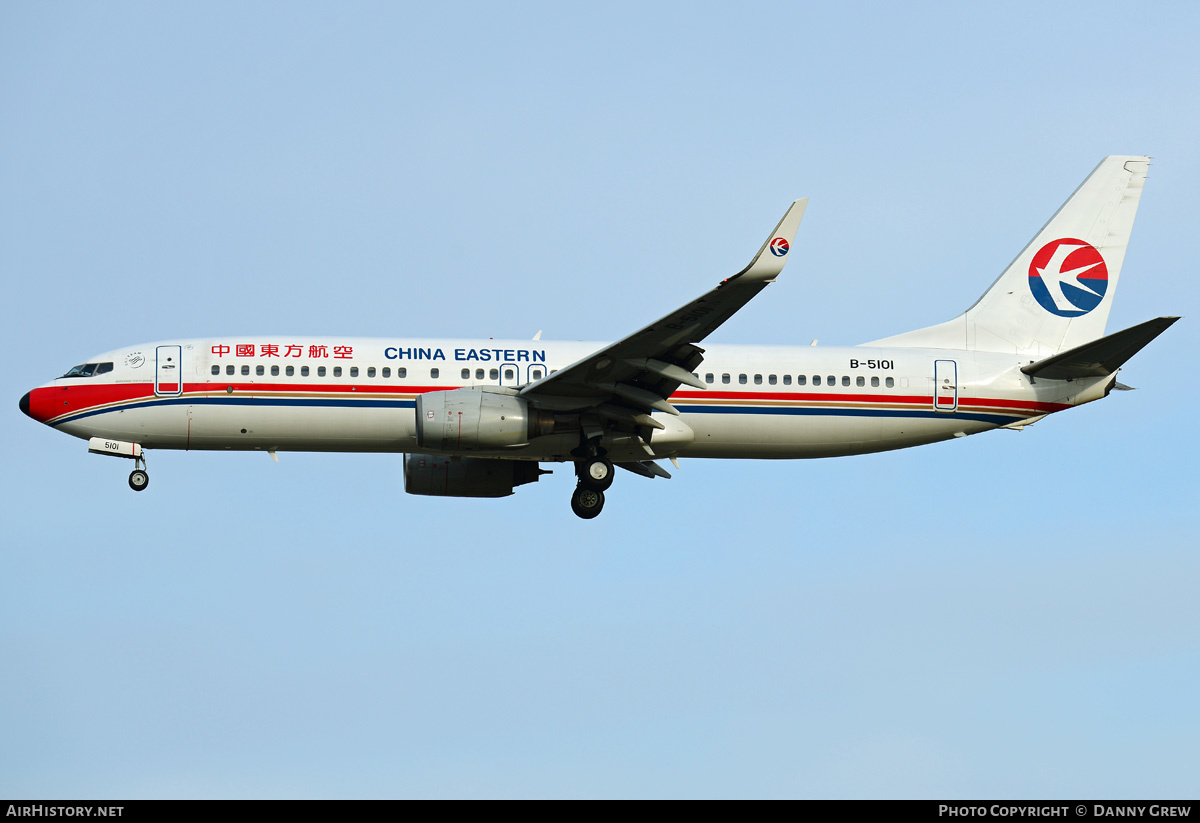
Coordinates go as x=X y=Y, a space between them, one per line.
x=1059 y=290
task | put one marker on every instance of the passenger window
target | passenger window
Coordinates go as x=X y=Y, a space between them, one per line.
x=320 y=371
x=787 y=380
x=508 y=374
x=354 y=371
x=708 y=378
x=742 y=379
x=466 y=374
x=816 y=379
x=860 y=382
x=290 y=371
x=304 y=371
x=401 y=372
x=758 y=379
x=772 y=380
x=479 y=374
x=387 y=372
x=245 y=370
x=875 y=382
x=724 y=378
x=889 y=382
x=337 y=371
x=845 y=380
x=274 y=371
x=493 y=374
x=435 y=373
x=801 y=379
x=260 y=370
x=229 y=369
x=831 y=380
x=216 y=369
x=370 y=371
x=536 y=374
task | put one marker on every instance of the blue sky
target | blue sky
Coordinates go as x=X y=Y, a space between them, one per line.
x=1013 y=615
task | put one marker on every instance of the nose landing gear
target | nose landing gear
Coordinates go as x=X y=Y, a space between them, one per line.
x=139 y=479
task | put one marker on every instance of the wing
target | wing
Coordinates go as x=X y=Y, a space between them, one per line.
x=621 y=383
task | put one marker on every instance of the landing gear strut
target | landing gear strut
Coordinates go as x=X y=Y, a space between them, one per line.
x=139 y=479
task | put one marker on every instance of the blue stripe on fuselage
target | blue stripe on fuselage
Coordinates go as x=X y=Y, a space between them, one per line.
x=831 y=412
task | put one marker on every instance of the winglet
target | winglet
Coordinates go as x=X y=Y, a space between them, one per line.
x=768 y=263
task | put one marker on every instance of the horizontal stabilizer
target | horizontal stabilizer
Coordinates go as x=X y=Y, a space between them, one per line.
x=1102 y=357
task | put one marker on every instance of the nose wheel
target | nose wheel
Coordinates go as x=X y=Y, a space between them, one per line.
x=139 y=478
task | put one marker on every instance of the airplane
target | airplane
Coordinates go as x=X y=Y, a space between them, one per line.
x=478 y=417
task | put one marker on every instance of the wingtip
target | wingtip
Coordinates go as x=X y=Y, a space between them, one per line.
x=773 y=254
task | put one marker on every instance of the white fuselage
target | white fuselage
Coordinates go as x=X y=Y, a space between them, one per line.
x=358 y=395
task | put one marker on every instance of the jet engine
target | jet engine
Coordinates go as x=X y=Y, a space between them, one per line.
x=466 y=420
x=440 y=476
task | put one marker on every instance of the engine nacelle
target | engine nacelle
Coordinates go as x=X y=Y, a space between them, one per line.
x=440 y=476
x=466 y=420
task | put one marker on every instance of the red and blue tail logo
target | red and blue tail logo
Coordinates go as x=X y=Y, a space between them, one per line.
x=1068 y=277
x=779 y=247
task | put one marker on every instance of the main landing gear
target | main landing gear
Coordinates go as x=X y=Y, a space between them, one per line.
x=595 y=475
x=139 y=479
x=586 y=503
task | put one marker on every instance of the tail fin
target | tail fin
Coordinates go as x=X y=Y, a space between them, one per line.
x=1058 y=292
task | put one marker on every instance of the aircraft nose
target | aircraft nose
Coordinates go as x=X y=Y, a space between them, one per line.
x=24 y=404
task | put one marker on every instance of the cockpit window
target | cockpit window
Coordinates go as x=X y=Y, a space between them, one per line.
x=89 y=370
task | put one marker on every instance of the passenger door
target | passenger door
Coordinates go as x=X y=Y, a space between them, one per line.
x=945 y=385
x=168 y=371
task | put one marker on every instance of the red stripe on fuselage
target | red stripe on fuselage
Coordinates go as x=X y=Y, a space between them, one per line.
x=315 y=388
x=49 y=402
x=843 y=397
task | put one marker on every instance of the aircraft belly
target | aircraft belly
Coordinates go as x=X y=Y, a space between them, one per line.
x=300 y=428
x=740 y=436
x=899 y=433
x=161 y=426
x=783 y=435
